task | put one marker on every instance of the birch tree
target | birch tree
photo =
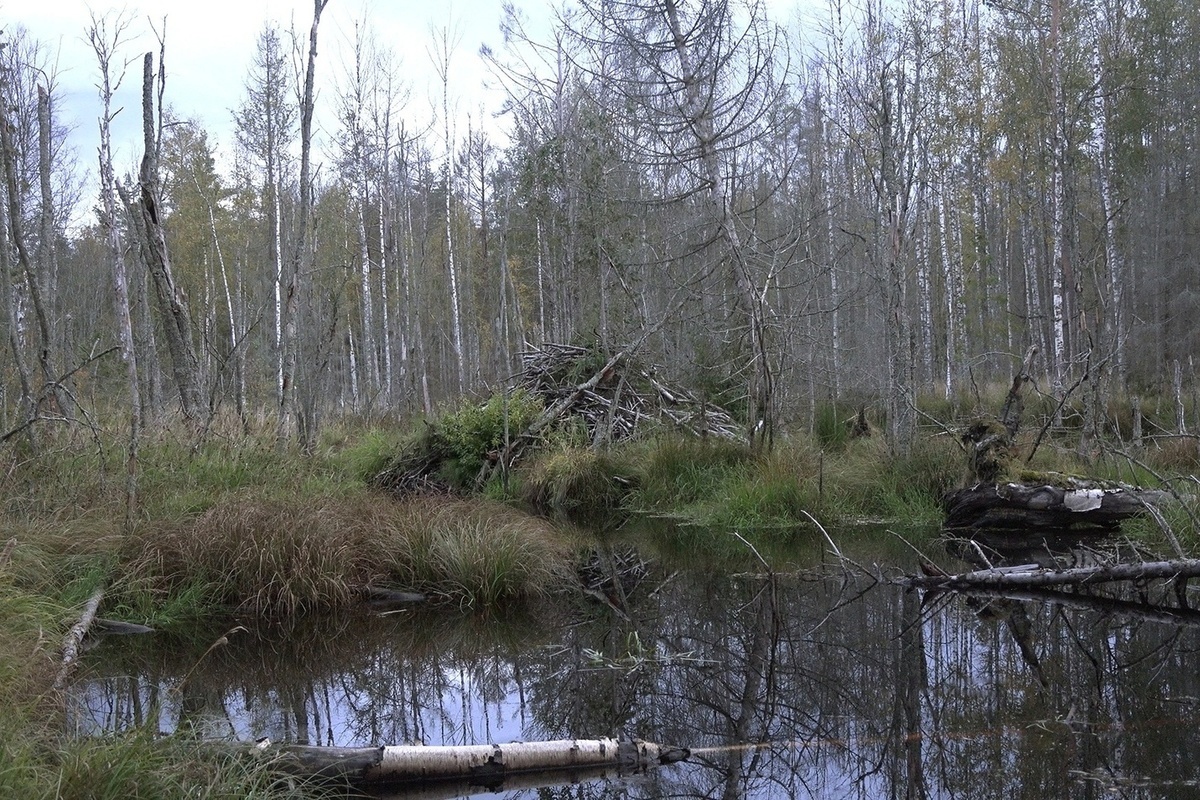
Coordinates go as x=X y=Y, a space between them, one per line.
x=303 y=249
x=444 y=43
x=106 y=36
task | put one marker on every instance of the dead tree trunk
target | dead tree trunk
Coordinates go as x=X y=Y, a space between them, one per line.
x=172 y=304
x=1014 y=506
x=990 y=441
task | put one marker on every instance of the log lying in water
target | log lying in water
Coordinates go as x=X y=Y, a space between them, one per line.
x=1036 y=576
x=487 y=765
x=1019 y=506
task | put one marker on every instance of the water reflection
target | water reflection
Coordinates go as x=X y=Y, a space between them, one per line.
x=784 y=686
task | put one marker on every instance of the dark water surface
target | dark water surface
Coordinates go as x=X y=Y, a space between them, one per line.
x=825 y=684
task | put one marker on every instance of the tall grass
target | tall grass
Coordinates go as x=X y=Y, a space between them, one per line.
x=578 y=481
x=481 y=554
x=725 y=486
x=283 y=556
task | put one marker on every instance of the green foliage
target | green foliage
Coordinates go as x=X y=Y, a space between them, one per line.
x=831 y=430
x=719 y=487
x=366 y=453
x=473 y=431
x=865 y=482
x=676 y=472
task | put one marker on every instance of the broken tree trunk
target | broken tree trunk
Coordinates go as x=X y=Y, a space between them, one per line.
x=992 y=503
x=1078 y=576
x=482 y=765
x=1015 y=506
x=989 y=440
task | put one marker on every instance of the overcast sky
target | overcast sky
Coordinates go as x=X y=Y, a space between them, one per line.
x=210 y=44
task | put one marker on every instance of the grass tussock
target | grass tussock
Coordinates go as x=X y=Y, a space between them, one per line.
x=482 y=553
x=284 y=556
x=579 y=482
x=865 y=481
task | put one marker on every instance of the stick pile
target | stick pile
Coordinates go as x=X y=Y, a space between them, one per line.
x=626 y=396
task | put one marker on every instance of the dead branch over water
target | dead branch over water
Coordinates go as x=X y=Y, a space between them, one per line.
x=1032 y=576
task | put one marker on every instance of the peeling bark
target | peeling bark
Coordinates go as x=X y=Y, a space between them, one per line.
x=486 y=765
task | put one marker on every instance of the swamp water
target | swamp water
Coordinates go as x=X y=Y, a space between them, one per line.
x=824 y=684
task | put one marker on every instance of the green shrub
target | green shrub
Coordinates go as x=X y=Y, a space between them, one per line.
x=473 y=431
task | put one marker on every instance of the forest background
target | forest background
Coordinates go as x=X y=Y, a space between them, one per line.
x=889 y=199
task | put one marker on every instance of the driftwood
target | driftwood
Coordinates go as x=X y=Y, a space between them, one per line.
x=116 y=627
x=1030 y=576
x=485 y=765
x=1016 y=506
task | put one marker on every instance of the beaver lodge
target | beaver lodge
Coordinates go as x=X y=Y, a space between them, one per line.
x=609 y=396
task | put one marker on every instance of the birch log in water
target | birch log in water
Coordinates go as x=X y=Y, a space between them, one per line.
x=483 y=764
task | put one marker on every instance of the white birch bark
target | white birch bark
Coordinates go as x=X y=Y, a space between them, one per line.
x=1114 y=259
x=1058 y=288
x=953 y=279
x=925 y=297
x=104 y=43
x=445 y=48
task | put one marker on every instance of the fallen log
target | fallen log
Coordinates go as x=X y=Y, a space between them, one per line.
x=74 y=638
x=998 y=578
x=1017 y=506
x=481 y=765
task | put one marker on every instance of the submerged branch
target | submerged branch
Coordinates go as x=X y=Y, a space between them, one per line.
x=1146 y=612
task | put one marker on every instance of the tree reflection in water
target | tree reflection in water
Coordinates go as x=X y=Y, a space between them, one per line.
x=784 y=686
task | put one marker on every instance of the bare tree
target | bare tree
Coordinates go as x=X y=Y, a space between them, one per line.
x=172 y=305
x=699 y=84
x=265 y=126
x=106 y=36
x=302 y=254
x=444 y=43
x=30 y=281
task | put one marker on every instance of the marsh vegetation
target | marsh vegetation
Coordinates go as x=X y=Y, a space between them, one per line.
x=233 y=534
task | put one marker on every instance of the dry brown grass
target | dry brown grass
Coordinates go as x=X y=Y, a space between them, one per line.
x=282 y=557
